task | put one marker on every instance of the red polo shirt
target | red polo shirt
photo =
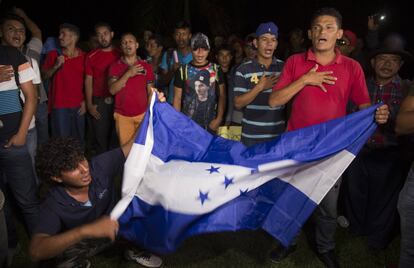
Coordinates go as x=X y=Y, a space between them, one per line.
x=132 y=99
x=96 y=65
x=67 y=83
x=313 y=106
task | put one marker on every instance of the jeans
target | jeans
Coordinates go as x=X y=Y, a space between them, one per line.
x=325 y=220
x=31 y=142
x=16 y=165
x=102 y=128
x=406 y=209
x=42 y=123
x=66 y=122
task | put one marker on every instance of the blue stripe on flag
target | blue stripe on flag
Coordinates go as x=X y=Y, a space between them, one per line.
x=156 y=214
x=162 y=231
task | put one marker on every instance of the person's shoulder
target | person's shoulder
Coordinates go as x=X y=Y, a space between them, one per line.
x=352 y=63
x=245 y=66
x=297 y=56
x=144 y=63
x=117 y=64
x=11 y=51
x=93 y=53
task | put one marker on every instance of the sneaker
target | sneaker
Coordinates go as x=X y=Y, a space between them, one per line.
x=329 y=259
x=280 y=253
x=143 y=258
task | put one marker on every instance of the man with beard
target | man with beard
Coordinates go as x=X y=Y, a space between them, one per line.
x=66 y=99
x=130 y=80
x=173 y=58
x=375 y=177
x=98 y=99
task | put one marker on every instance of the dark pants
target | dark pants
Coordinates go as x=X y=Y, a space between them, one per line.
x=406 y=209
x=16 y=165
x=78 y=253
x=42 y=123
x=103 y=129
x=373 y=182
x=325 y=216
x=66 y=122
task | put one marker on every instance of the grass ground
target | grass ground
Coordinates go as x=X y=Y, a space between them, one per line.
x=246 y=249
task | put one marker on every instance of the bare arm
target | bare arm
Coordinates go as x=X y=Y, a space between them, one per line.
x=33 y=28
x=311 y=78
x=150 y=87
x=48 y=73
x=177 y=98
x=405 y=117
x=221 y=102
x=6 y=73
x=115 y=85
x=30 y=96
x=221 y=106
x=92 y=108
x=44 y=246
x=245 y=99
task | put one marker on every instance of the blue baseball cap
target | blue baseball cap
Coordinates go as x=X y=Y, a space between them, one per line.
x=267 y=27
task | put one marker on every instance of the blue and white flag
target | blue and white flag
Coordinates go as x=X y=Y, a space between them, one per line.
x=180 y=181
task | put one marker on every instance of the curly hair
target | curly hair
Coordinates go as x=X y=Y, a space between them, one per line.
x=57 y=155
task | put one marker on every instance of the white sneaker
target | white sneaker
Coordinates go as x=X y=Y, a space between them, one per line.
x=143 y=258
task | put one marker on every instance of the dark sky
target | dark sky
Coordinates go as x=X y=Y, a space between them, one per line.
x=244 y=16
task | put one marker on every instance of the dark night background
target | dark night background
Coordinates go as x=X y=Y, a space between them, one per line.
x=213 y=17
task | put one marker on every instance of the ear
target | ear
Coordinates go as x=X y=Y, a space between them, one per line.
x=309 y=34
x=112 y=34
x=340 y=33
x=56 y=179
x=255 y=43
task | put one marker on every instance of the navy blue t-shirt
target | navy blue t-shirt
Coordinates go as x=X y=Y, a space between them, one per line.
x=60 y=212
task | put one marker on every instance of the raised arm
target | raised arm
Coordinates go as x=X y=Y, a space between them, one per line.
x=31 y=26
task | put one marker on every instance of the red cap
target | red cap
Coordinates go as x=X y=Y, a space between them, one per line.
x=351 y=37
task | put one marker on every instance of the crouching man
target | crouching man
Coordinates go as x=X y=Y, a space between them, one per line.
x=73 y=224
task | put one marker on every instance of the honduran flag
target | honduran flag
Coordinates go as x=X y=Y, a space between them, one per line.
x=180 y=181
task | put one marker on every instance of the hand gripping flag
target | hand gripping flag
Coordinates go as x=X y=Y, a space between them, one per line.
x=180 y=181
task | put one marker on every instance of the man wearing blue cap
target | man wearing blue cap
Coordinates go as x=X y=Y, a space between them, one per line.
x=253 y=84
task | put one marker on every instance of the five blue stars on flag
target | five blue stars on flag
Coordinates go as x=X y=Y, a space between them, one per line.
x=227 y=181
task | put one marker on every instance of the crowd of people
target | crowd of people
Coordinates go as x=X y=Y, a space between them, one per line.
x=58 y=101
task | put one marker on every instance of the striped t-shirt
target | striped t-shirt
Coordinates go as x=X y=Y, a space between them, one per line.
x=10 y=107
x=260 y=121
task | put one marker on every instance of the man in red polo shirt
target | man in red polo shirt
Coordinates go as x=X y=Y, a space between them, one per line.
x=66 y=99
x=99 y=101
x=322 y=81
x=131 y=80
